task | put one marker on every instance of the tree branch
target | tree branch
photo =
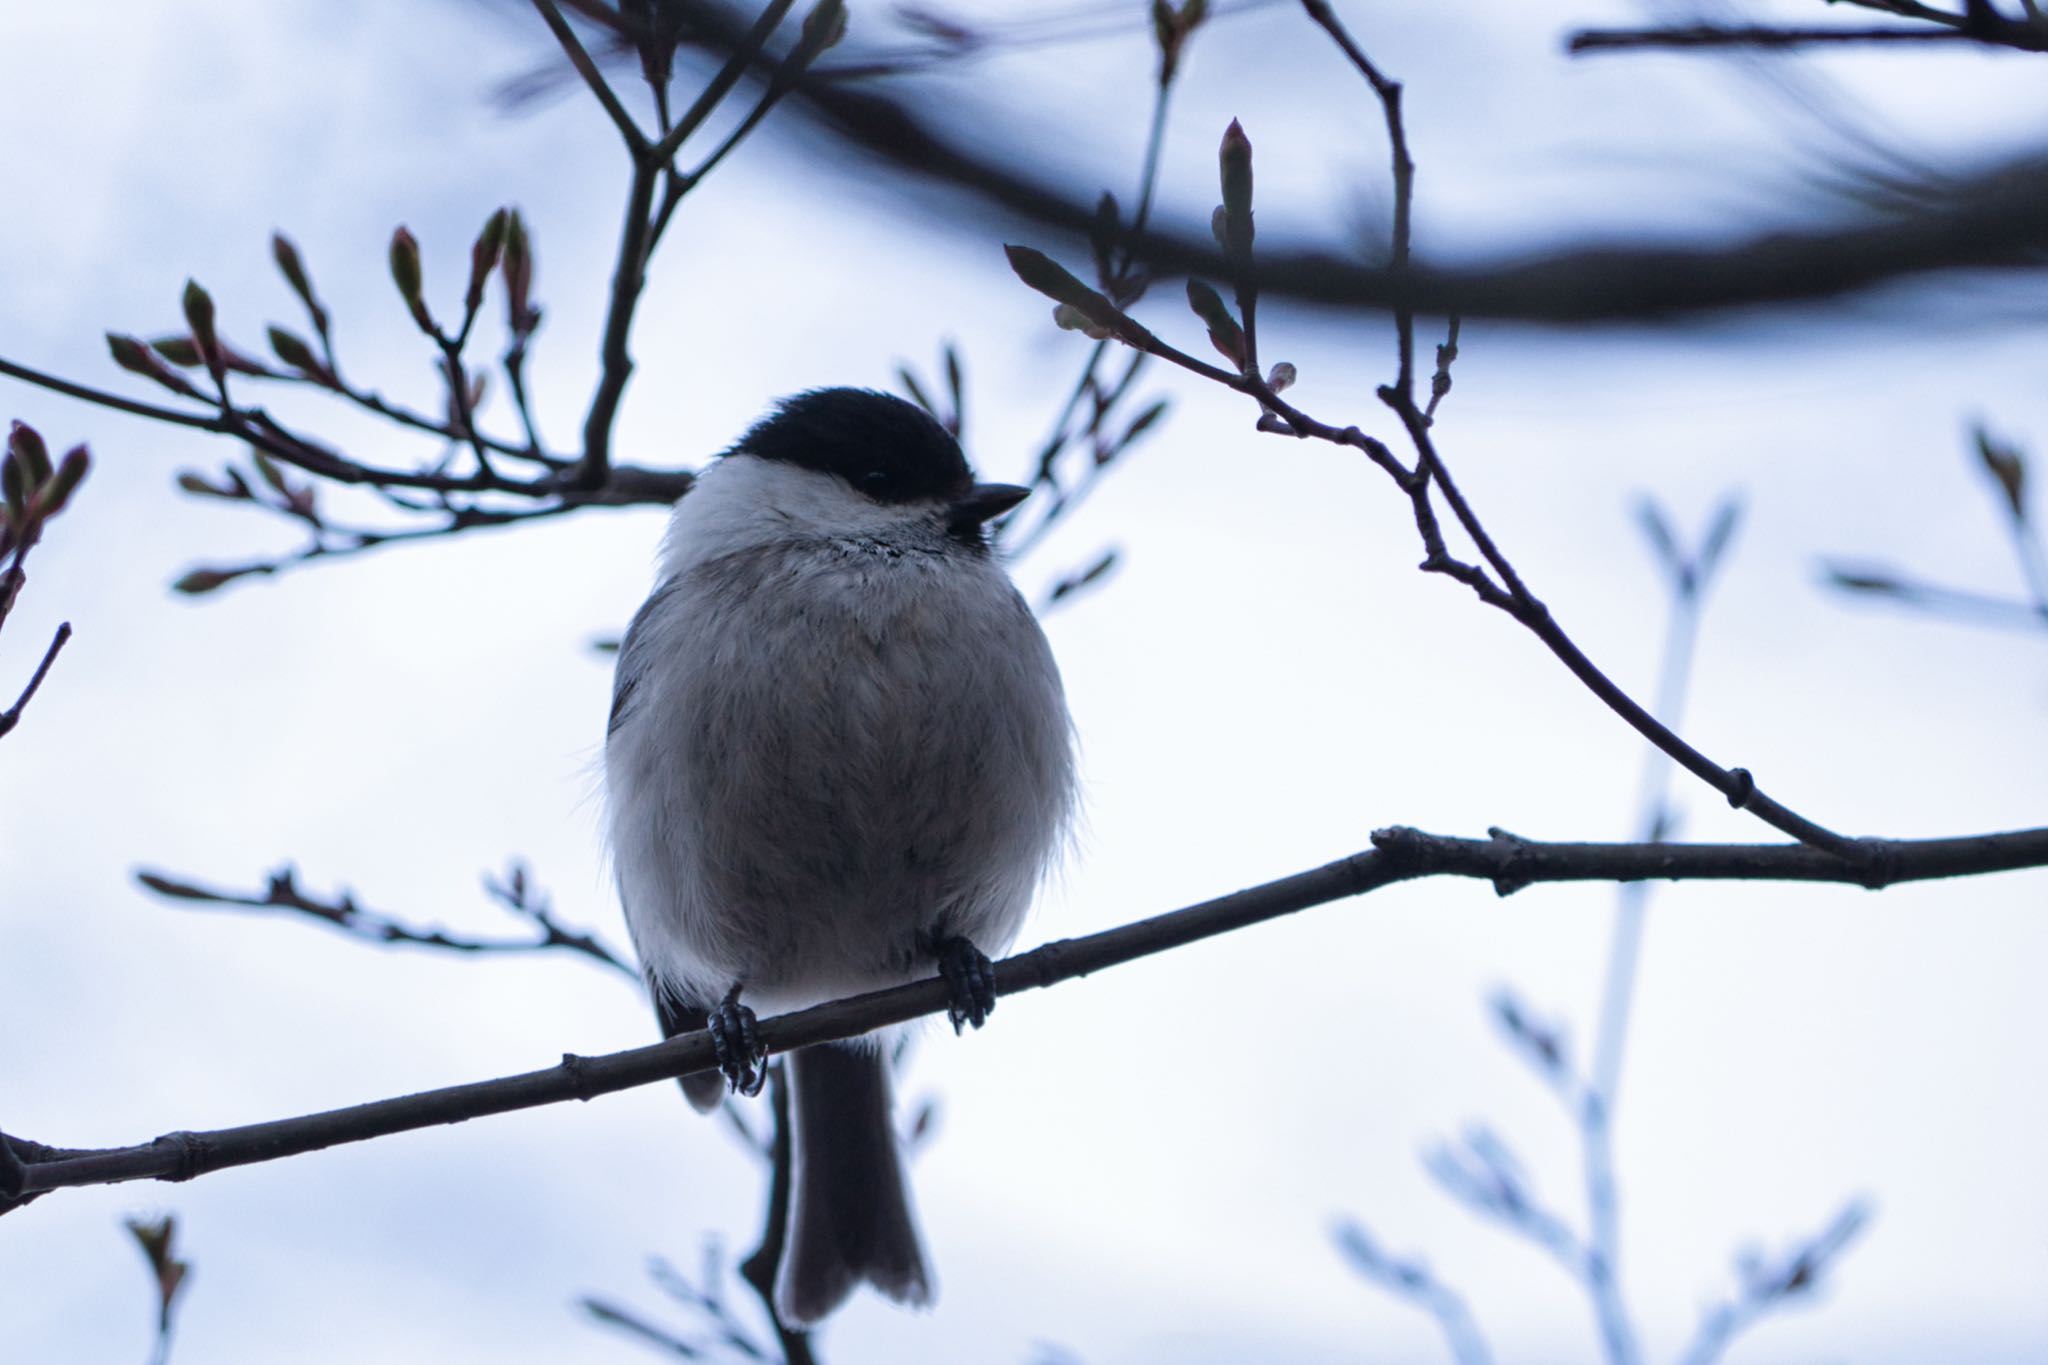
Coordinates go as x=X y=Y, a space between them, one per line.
x=1695 y=36
x=1399 y=854
x=514 y=892
x=11 y=717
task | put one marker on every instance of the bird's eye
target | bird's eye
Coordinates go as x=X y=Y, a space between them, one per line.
x=874 y=483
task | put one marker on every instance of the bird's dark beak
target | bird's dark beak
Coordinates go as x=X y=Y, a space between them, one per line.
x=984 y=502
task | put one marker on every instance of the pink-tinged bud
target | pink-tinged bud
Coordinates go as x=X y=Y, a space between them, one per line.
x=1281 y=376
x=405 y=273
x=1235 y=159
x=70 y=471
x=25 y=444
x=131 y=355
x=2007 y=467
x=199 y=317
x=1224 y=333
x=483 y=258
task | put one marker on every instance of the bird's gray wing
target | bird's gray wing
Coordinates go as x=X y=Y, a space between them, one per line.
x=633 y=657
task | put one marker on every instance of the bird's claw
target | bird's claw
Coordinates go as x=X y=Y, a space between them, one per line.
x=970 y=980
x=736 y=1038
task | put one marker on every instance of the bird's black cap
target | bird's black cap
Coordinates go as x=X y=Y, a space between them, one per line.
x=889 y=449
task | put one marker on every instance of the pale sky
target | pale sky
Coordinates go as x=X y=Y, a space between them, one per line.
x=1143 y=1166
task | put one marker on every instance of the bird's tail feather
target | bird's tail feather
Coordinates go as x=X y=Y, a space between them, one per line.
x=849 y=1212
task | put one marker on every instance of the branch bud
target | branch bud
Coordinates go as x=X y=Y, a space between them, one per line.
x=200 y=486
x=2007 y=467
x=199 y=317
x=181 y=351
x=520 y=316
x=70 y=470
x=823 y=27
x=25 y=444
x=483 y=258
x=296 y=353
x=1224 y=333
x=1068 y=318
x=131 y=355
x=267 y=467
x=294 y=270
x=1052 y=279
x=405 y=273
x=1234 y=158
x=14 y=489
x=196 y=581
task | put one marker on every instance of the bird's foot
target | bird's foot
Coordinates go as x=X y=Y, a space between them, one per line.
x=736 y=1037
x=970 y=979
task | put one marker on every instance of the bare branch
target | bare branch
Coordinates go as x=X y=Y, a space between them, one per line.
x=1694 y=36
x=513 y=892
x=11 y=717
x=1398 y=855
x=1769 y=1286
x=1412 y=1280
x=572 y=47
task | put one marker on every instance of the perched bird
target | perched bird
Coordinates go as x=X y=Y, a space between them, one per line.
x=839 y=759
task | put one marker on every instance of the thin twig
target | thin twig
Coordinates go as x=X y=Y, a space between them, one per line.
x=1758 y=36
x=720 y=85
x=1045 y=475
x=342 y=912
x=629 y=276
x=1389 y=93
x=1769 y=1286
x=11 y=717
x=1412 y=1280
x=1510 y=594
x=572 y=47
x=1934 y=598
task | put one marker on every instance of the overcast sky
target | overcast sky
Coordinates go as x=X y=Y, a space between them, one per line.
x=1142 y=1166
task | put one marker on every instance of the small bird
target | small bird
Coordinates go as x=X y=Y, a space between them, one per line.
x=839 y=759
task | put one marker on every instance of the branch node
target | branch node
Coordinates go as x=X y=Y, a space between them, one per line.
x=1513 y=851
x=188 y=1154
x=1743 y=790
x=1880 y=861
x=579 y=1077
